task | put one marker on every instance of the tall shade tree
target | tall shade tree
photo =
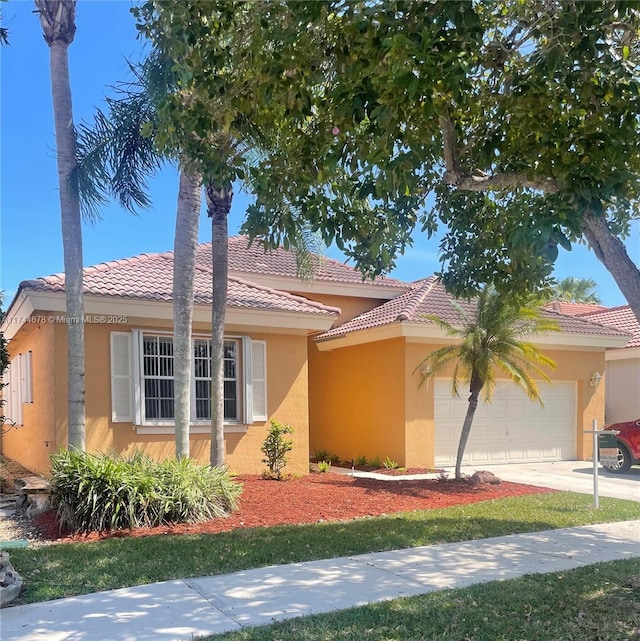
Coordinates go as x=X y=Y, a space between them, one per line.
x=57 y=18
x=512 y=123
x=576 y=290
x=492 y=339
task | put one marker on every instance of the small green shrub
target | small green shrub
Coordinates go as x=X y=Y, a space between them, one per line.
x=389 y=464
x=361 y=460
x=324 y=466
x=321 y=455
x=102 y=492
x=376 y=463
x=325 y=455
x=275 y=448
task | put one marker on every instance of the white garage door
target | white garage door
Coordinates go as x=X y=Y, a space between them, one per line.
x=511 y=428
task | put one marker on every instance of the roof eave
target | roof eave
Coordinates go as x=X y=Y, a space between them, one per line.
x=431 y=333
x=29 y=301
x=622 y=354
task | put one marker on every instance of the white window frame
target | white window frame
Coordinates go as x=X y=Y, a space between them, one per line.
x=243 y=378
x=158 y=376
x=239 y=378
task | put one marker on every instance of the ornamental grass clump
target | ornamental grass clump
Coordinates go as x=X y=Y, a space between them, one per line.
x=104 y=492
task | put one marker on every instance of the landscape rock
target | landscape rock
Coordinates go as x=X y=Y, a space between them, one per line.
x=482 y=476
x=10 y=580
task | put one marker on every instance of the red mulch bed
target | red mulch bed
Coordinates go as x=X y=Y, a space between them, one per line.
x=322 y=497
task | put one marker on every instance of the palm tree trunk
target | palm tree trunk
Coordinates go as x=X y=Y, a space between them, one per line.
x=58 y=23
x=184 y=264
x=475 y=387
x=218 y=206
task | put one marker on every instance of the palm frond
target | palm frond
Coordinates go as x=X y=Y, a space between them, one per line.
x=117 y=153
x=444 y=325
x=436 y=362
x=493 y=339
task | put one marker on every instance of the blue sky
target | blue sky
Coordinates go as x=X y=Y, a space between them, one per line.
x=30 y=237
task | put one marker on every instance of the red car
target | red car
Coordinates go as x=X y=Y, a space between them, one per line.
x=628 y=441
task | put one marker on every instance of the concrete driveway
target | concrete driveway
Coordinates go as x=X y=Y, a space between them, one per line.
x=574 y=476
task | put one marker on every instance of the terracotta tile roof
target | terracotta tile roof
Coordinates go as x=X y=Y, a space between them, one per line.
x=573 y=309
x=282 y=263
x=622 y=318
x=429 y=297
x=150 y=277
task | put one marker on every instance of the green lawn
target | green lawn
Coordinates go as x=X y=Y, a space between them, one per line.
x=595 y=603
x=56 y=571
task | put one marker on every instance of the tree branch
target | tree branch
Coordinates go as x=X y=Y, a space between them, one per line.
x=450 y=147
x=612 y=253
x=499 y=182
x=479 y=181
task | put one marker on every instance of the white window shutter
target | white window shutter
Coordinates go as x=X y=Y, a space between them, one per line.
x=121 y=378
x=27 y=379
x=259 y=379
x=15 y=374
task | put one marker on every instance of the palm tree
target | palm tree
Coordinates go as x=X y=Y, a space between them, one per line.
x=117 y=152
x=57 y=18
x=4 y=34
x=576 y=290
x=184 y=268
x=218 y=207
x=491 y=340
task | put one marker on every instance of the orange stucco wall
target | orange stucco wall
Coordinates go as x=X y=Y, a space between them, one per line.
x=366 y=399
x=357 y=402
x=31 y=444
x=287 y=402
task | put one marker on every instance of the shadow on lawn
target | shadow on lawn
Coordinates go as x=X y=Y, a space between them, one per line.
x=61 y=570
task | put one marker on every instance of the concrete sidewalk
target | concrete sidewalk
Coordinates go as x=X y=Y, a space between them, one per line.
x=180 y=610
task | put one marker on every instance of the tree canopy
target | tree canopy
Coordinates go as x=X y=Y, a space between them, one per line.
x=515 y=124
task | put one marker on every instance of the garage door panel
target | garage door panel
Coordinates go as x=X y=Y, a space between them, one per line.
x=511 y=428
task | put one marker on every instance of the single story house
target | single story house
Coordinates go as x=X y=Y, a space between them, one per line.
x=334 y=356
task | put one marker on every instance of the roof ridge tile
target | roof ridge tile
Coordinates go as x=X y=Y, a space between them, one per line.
x=422 y=289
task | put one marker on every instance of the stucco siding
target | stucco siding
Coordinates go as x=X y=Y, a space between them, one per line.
x=623 y=390
x=46 y=419
x=366 y=399
x=33 y=442
x=357 y=401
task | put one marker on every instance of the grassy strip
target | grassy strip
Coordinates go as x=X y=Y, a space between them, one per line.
x=56 y=571
x=592 y=603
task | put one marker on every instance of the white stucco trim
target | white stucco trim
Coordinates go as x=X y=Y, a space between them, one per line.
x=622 y=354
x=193 y=429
